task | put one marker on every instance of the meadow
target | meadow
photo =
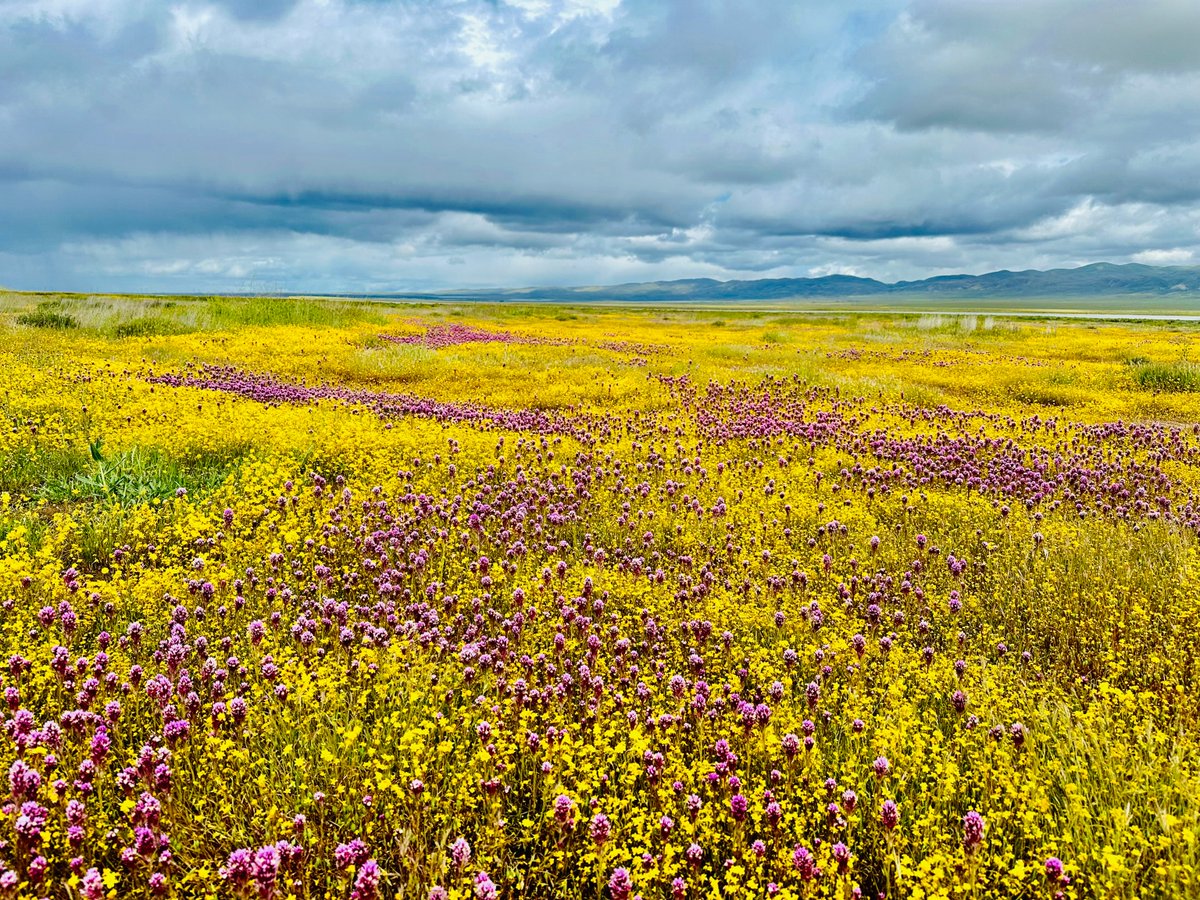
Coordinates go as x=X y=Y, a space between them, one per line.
x=306 y=598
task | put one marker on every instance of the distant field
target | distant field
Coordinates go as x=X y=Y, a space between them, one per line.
x=1127 y=305
x=1130 y=306
x=318 y=597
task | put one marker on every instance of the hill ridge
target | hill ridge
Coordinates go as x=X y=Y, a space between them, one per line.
x=1093 y=279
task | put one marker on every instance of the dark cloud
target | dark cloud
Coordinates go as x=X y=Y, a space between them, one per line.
x=385 y=144
x=1027 y=65
x=264 y=10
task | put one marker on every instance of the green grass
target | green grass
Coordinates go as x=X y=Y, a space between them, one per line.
x=103 y=493
x=724 y=352
x=388 y=364
x=1043 y=394
x=48 y=315
x=107 y=489
x=25 y=469
x=147 y=316
x=133 y=476
x=1176 y=378
x=148 y=326
x=269 y=311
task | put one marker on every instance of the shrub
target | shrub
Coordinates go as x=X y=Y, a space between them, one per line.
x=147 y=326
x=1176 y=378
x=47 y=316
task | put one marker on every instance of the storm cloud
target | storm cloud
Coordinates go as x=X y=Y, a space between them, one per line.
x=392 y=145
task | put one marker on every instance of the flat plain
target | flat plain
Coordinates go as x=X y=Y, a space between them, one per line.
x=314 y=598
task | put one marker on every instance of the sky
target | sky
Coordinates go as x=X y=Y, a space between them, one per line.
x=360 y=146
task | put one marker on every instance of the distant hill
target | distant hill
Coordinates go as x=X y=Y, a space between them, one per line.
x=1095 y=280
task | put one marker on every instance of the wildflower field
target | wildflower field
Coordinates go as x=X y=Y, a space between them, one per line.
x=315 y=599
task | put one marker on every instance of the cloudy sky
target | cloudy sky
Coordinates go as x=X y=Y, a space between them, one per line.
x=382 y=145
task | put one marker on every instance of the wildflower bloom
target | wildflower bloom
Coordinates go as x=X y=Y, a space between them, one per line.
x=564 y=806
x=774 y=813
x=791 y=745
x=265 y=868
x=366 y=882
x=600 y=829
x=92 y=885
x=681 y=589
x=973 y=825
x=841 y=855
x=849 y=800
x=460 y=853
x=355 y=853
x=889 y=815
x=620 y=885
x=804 y=863
x=485 y=889
x=738 y=805
x=1054 y=868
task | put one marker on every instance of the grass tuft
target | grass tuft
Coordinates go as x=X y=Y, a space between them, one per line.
x=148 y=326
x=1182 y=377
x=48 y=315
x=134 y=476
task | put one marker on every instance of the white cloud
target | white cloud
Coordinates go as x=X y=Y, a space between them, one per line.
x=1176 y=256
x=834 y=269
x=369 y=145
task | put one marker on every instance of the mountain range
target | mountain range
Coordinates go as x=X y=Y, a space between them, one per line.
x=1095 y=280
